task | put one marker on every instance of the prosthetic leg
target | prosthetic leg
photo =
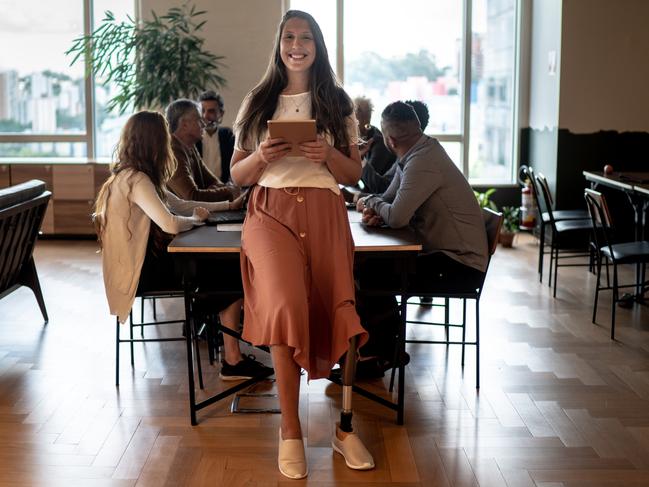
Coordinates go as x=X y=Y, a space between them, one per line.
x=345 y=441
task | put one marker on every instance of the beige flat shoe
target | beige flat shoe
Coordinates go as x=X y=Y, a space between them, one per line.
x=353 y=451
x=291 y=459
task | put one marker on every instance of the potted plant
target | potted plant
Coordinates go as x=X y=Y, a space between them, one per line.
x=152 y=62
x=484 y=199
x=510 y=225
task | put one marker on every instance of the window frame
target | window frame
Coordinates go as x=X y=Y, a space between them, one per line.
x=465 y=79
x=89 y=136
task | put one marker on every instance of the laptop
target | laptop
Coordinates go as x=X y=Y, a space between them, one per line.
x=227 y=216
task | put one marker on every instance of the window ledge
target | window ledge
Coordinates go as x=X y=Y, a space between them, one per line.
x=54 y=160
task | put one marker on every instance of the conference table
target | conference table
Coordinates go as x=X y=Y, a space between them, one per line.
x=398 y=246
x=635 y=185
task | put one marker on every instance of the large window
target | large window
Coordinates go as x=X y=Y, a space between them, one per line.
x=47 y=107
x=459 y=57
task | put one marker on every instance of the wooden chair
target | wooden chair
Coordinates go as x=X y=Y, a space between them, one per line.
x=616 y=253
x=493 y=222
x=543 y=220
x=22 y=208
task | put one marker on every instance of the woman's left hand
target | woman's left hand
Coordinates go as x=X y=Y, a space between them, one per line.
x=317 y=151
x=200 y=213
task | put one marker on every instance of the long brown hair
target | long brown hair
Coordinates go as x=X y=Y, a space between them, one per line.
x=330 y=105
x=144 y=146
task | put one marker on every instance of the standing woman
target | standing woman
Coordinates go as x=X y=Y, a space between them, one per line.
x=297 y=249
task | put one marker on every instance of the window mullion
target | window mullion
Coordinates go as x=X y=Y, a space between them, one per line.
x=466 y=85
x=89 y=82
x=340 y=40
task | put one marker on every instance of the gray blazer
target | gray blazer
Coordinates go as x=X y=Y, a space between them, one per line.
x=429 y=193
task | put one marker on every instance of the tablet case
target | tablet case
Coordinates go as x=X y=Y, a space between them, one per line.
x=293 y=131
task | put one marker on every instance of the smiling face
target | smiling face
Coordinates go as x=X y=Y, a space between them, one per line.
x=211 y=111
x=297 y=47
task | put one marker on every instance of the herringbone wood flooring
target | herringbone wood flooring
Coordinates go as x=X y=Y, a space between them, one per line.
x=561 y=405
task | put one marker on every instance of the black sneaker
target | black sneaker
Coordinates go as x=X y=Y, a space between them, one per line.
x=365 y=369
x=405 y=358
x=626 y=301
x=247 y=368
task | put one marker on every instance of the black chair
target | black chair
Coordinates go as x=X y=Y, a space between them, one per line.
x=569 y=239
x=202 y=319
x=493 y=221
x=22 y=208
x=543 y=221
x=616 y=253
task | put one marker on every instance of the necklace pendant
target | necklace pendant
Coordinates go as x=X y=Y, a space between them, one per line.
x=297 y=110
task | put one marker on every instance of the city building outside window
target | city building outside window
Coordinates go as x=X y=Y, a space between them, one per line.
x=47 y=107
x=420 y=50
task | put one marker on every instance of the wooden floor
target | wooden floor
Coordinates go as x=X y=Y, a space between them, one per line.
x=560 y=403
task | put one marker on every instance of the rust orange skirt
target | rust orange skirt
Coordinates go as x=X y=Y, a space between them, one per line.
x=297 y=268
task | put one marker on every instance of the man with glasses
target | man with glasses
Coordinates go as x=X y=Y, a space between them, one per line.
x=192 y=179
x=217 y=144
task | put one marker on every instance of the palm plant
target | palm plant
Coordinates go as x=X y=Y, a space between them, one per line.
x=484 y=199
x=152 y=62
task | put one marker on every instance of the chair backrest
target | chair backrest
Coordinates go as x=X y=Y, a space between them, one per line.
x=528 y=173
x=22 y=208
x=493 y=221
x=544 y=188
x=600 y=216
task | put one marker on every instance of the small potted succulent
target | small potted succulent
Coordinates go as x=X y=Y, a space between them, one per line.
x=510 y=225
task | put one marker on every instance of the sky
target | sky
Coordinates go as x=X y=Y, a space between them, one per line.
x=393 y=28
x=34 y=34
x=38 y=32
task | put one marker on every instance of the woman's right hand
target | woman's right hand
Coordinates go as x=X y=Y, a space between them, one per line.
x=200 y=214
x=271 y=150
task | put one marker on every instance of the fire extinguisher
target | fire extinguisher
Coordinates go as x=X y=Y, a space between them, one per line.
x=528 y=206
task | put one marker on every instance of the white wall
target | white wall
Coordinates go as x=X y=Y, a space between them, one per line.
x=544 y=85
x=605 y=65
x=243 y=31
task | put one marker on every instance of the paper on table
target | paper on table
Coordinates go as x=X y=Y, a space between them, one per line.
x=229 y=227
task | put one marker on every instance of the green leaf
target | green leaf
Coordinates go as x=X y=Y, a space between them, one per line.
x=152 y=61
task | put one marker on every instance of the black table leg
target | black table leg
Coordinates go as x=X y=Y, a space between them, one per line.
x=640 y=206
x=402 y=342
x=189 y=336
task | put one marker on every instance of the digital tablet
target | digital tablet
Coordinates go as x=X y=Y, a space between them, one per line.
x=293 y=131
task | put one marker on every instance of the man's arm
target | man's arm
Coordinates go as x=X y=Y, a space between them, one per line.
x=210 y=180
x=416 y=184
x=182 y=183
x=391 y=192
